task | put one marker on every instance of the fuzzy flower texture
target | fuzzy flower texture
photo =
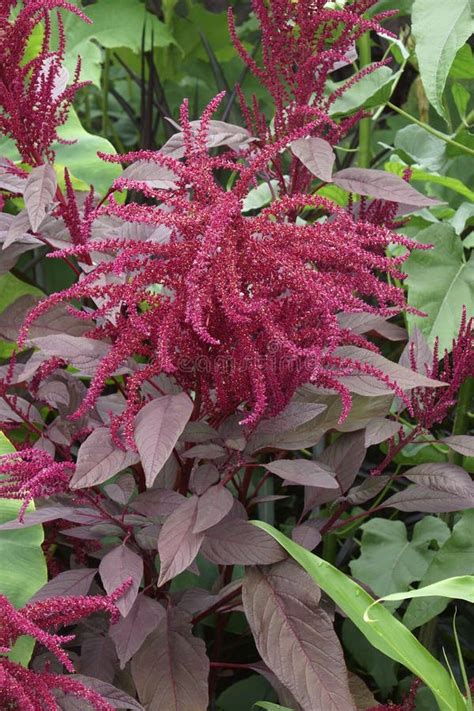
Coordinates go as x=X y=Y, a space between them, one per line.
x=240 y=308
x=25 y=690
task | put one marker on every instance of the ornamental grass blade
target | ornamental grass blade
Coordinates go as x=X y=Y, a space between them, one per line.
x=384 y=631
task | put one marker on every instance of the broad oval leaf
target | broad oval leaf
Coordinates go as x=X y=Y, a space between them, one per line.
x=158 y=426
x=233 y=542
x=178 y=543
x=425 y=500
x=99 y=459
x=171 y=668
x=212 y=506
x=120 y=564
x=464 y=444
x=317 y=156
x=117 y=698
x=304 y=471
x=381 y=185
x=295 y=637
x=40 y=188
x=130 y=632
x=69 y=582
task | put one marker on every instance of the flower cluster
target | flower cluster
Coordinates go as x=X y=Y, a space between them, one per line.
x=32 y=474
x=27 y=690
x=239 y=308
x=302 y=44
x=34 y=93
x=430 y=406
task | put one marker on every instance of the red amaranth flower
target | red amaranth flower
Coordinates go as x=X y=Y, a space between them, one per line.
x=27 y=690
x=34 y=95
x=430 y=406
x=302 y=44
x=31 y=474
x=241 y=308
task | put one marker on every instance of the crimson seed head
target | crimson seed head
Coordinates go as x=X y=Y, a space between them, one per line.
x=242 y=308
x=35 y=95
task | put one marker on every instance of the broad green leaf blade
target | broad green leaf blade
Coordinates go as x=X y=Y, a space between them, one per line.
x=270 y=706
x=384 y=631
x=460 y=588
x=22 y=564
x=12 y=289
x=454 y=558
x=440 y=282
x=440 y=28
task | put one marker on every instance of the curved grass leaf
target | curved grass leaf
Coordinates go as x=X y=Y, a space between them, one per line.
x=384 y=631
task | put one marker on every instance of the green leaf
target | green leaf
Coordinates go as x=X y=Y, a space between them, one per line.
x=81 y=157
x=271 y=707
x=115 y=23
x=388 y=561
x=22 y=565
x=440 y=28
x=455 y=557
x=11 y=289
x=422 y=147
x=422 y=175
x=459 y=588
x=463 y=65
x=372 y=90
x=245 y=693
x=461 y=98
x=384 y=631
x=440 y=281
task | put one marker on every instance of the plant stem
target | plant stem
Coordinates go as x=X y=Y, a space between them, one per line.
x=431 y=130
x=365 y=125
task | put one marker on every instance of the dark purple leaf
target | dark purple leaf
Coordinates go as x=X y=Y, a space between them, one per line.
x=117 y=698
x=380 y=429
x=371 y=386
x=171 y=669
x=344 y=456
x=381 y=185
x=99 y=459
x=9 y=180
x=424 y=500
x=83 y=353
x=116 y=567
x=232 y=433
x=295 y=637
x=158 y=502
x=364 y=323
x=153 y=175
x=372 y=486
x=198 y=432
x=130 y=632
x=17 y=231
x=236 y=542
x=317 y=156
x=178 y=545
x=422 y=353
x=280 y=430
x=460 y=443
x=122 y=489
x=56 y=322
x=220 y=133
x=20 y=407
x=40 y=188
x=304 y=471
x=70 y=582
x=205 y=451
x=442 y=476
x=158 y=426
x=203 y=477
x=212 y=506
x=308 y=534
x=52 y=513
x=98 y=657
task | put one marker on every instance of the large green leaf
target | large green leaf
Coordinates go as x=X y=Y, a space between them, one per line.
x=81 y=157
x=372 y=90
x=22 y=564
x=440 y=28
x=115 y=23
x=440 y=281
x=455 y=557
x=384 y=631
x=11 y=289
x=388 y=561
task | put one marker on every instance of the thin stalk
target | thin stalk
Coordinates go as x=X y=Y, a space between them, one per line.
x=105 y=93
x=431 y=130
x=365 y=125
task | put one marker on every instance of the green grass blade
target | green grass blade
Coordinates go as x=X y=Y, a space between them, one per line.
x=384 y=631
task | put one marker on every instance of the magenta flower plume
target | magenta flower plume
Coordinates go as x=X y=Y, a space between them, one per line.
x=27 y=690
x=34 y=95
x=240 y=308
x=32 y=474
x=302 y=44
x=430 y=406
